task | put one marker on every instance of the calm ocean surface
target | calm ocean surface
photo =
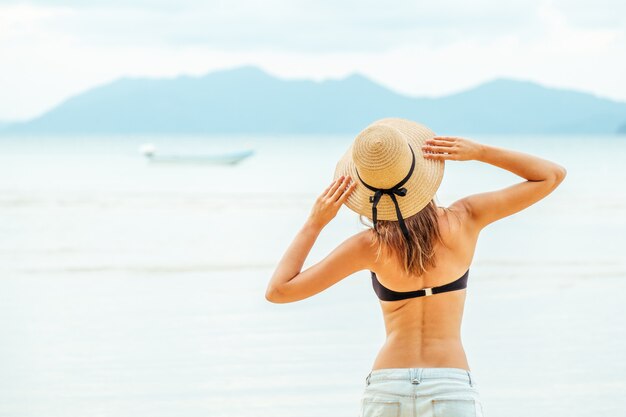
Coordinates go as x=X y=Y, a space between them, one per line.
x=134 y=289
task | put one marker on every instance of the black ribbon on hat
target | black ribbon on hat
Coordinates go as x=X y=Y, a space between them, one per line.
x=397 y=189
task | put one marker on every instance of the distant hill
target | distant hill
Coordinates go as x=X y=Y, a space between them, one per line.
x=622 y=128
x=249 y=100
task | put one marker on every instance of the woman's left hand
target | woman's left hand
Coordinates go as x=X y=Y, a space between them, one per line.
x=329 y=202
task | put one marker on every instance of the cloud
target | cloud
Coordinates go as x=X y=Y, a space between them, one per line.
x=314 y=26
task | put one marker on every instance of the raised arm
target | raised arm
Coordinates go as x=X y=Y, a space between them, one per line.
x=542 y=177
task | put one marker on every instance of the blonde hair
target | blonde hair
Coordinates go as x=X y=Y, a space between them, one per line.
x=423 y=230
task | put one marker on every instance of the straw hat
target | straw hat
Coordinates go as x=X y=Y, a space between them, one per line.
x=379 y=159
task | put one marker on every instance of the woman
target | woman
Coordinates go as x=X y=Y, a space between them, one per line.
x=419 y=256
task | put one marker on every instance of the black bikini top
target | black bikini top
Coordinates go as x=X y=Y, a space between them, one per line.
x=385 y=294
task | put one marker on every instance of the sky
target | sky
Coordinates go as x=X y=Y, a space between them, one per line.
x=52 y=50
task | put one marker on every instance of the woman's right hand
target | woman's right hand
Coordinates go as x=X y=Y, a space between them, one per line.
x=453 y=148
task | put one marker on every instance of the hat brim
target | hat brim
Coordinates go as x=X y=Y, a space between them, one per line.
x=421 y=186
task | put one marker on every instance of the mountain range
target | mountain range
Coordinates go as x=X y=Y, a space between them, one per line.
x=247 y=100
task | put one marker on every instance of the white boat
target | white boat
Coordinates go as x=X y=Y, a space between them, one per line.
x=222 y=158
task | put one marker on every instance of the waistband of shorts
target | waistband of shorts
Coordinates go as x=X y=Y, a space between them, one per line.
x=418 y=374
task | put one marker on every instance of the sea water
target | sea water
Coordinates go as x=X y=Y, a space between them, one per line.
x=129 y=288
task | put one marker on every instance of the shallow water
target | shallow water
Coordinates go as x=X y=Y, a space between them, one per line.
x=129 y=288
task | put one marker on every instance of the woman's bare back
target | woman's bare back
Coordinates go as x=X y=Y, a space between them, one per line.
x=426 y=331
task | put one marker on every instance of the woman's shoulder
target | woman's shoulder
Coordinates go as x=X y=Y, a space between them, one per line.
x=450 y=218
x=363 y=245
x=454 y=226
x=453 y=213
x=457 y=233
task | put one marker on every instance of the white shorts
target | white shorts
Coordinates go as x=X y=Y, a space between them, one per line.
x=421 y=392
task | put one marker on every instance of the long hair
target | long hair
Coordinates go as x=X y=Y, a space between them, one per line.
x=423 y=230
